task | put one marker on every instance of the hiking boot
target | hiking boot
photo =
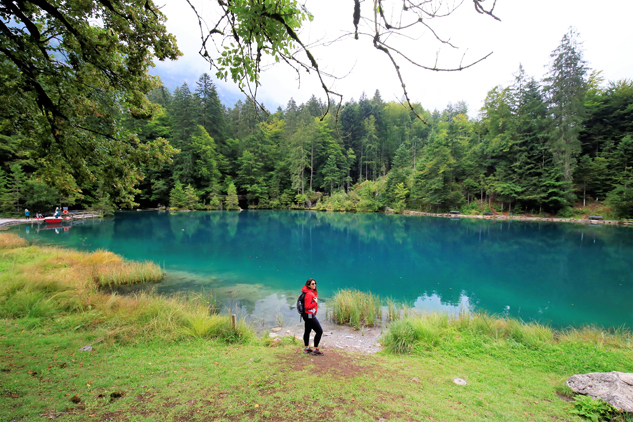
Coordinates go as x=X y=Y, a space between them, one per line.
x=317 y=352
x=308 y=350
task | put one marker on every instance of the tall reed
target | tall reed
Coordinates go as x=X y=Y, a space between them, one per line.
x=11 y=241
x=355 y=308
x=64 y=285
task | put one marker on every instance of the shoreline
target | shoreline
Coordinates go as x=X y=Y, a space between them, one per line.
x=7 y=222
x=520 y=218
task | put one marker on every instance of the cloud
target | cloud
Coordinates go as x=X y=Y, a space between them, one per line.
x=527 y=34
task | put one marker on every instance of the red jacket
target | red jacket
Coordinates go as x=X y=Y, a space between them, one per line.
x=311 y=306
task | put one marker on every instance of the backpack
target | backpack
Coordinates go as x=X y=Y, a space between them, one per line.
x=301 y=307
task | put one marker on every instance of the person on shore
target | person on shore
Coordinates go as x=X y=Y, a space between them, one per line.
x=311 y=306
x=27 y=214
x=57 y=214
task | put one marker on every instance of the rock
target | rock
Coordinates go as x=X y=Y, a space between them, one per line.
x=86 y=349
x=616 y=388
x=327 y=333
x=75 y=399
x=415 y=379
x=277 y=329
x=272 y=335
x=460 y=381
x=276 y=340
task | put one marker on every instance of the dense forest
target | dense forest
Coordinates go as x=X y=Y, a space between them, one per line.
x=536 y=146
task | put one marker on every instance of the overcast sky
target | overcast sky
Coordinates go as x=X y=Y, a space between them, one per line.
x=528 y=32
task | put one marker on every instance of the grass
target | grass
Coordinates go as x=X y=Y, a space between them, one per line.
x=44 y=284
x=8 y=241
x=355 y=308
x=416 y=333
x=157 y=358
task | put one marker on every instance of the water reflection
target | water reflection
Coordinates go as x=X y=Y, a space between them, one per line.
x=563 y=274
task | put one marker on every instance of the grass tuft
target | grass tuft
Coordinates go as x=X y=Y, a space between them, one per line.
x=355 y=308
x=11 y=241
x=51 y=283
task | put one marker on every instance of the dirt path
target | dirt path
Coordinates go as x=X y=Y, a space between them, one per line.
x=337 y=337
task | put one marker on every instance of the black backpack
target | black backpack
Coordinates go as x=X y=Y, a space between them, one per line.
x=301 y=307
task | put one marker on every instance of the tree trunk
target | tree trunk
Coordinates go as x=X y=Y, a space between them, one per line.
x=311 y=165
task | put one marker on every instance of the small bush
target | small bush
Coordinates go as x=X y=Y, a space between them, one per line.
x=595 y=410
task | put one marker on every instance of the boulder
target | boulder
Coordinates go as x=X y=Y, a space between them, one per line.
x=615 y=388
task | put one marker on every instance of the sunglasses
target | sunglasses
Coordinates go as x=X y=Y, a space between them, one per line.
x=313 y=283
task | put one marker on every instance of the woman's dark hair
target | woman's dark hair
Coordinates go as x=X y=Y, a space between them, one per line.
x=310 y=280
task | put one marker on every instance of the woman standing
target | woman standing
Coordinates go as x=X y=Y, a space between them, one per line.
x=311 y=306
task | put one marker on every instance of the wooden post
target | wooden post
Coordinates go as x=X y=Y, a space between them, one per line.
x=234 y=321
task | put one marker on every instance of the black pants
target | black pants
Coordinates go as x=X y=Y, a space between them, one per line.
x=312 y=323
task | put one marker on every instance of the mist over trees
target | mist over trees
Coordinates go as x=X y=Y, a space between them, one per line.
x=536 y=146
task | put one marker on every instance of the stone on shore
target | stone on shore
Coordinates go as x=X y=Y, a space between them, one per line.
x=615 y=388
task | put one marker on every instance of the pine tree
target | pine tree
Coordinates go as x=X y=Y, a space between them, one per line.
x=177 y=197
x=211 y=111
x=231 y=201
x=566 y=86
x=191 y=199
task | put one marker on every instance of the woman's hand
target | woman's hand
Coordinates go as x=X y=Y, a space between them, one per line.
x=316 y=300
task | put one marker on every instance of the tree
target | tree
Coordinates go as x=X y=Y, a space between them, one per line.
x=205 y=158
x=18 y=179
x=401 y=194
x=231 y=200
x=40 y=197
x=71 y=69
x=251 y=33
x=177 y=196
x=191 y=198
x=211 y=109
x=566 y=86
x=5 y=195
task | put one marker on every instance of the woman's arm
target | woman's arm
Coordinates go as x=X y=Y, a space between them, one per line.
x=309 y=301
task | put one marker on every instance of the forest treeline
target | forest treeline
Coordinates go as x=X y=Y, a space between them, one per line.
x=536 y=146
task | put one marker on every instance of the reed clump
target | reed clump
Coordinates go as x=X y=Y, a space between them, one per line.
x=427 y=331
x=355 y=308
x=11 y=241
x=66 y=286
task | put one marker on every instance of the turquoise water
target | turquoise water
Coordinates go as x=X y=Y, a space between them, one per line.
x=257 y=261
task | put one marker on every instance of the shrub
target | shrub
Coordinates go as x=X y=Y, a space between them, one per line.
x=593 y=409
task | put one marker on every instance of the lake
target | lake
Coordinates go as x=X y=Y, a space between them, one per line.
x=256 y=261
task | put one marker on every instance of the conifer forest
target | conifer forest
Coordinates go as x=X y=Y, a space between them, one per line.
x=537 y=146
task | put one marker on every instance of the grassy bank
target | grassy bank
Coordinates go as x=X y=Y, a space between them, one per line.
x=155 y=358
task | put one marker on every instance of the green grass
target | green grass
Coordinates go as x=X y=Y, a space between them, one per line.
x=355 y=308
x=157 y=358
x=415 y=333
x=201 y=379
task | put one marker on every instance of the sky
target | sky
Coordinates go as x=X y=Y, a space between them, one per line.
x=527 y=33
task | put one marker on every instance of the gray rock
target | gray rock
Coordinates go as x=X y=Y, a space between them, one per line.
x=86 y=349
x=460 y=381
x=615 y=388
x=415 y=379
